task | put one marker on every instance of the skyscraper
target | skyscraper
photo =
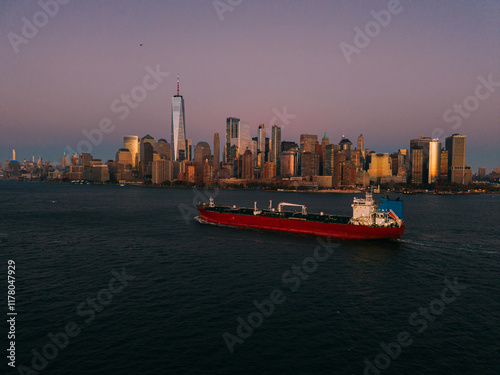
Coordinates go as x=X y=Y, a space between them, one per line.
x=261 y=138
x=380 y=165
x=307 y=142
x=422 y=160
x=202 y=153
x=243 y=137
x=247 y=165
x=444 y=165
x=456 y=158
x=346 y=145
x=232 y=127
x=481 y=172
x=64 y=159
x=189 y=150
x=162 y=171
x=434 y=161
x=329 y=161
x=252 y=146
x=309 y=164
x=146 y=153
x=131 y=142
x=178 y=126
x=361 y=144
x=290 y=162
x=162 y=147
x=325 y=141
x=216 y=160
x=417 y=165
x=276 y=147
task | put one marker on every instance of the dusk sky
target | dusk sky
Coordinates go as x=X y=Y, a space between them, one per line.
x=251 y=60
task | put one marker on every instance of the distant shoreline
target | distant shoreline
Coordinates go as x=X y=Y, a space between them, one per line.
x=279 y=190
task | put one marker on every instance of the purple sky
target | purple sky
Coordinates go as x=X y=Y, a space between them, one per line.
x=263 y=56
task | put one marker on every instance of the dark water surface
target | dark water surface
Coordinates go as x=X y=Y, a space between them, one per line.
x=192 y=283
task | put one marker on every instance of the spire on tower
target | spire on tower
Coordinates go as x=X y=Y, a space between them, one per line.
x=177 y=85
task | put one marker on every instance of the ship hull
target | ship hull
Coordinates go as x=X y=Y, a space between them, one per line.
x=340 y=231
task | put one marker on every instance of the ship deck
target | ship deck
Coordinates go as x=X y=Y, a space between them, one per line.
x=334 y=219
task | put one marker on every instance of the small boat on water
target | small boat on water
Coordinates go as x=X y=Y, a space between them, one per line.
x=368 y=221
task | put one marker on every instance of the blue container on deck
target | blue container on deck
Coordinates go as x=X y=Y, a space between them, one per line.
x=386 y=205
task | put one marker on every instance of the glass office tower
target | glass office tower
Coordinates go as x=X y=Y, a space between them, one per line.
x=178 y=127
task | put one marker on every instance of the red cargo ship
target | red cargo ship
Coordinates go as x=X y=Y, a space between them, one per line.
x=369 y=220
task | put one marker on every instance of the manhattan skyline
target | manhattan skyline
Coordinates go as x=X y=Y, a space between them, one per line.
x=263 y=62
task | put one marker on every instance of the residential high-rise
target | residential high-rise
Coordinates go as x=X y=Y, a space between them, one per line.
x=162 y=170
x=131 y=142
x=232 y=127
x=208 y=172
x=275 y=151
x=243 y=137
x=456 y=158
x=178 y=127
x=216 y=159
x=252 y=146
x=261 y=138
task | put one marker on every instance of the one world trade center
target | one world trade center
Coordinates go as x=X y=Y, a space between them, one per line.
x=178 y=127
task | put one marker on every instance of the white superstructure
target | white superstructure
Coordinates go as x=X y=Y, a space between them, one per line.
x=365 y=212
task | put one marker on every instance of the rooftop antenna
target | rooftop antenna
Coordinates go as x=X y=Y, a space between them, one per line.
x=177 y=85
